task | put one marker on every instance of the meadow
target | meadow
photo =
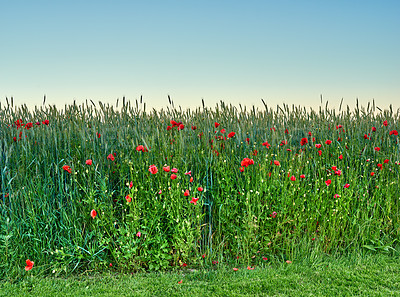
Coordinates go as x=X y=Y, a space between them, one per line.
x=95 y=187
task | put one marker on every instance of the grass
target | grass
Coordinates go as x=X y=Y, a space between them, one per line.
x=370 y=275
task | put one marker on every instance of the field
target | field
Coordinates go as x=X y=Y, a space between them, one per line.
x=92 y=188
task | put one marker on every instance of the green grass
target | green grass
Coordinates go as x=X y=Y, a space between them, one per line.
x=372 y=275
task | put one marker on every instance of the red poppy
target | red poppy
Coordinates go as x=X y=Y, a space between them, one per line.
x=346 y=186
x=29 y=265
x=286 y=131
x=203 y=256
x=169 y=128
x=235 y=269
x=341 y=157
x=173 y=123
x=373 y=129
x=277 y=163
x=266 y=144
x=250 y=268
x=292 y=178
x=248 y=140
x=174 y=170
x=93 y=213
x=372 y=173
x=130 y=185
x=393 y=132
x=283 y=142
x=273 y=214
x=265 y=258
x=377 y=149
x=128 y=198
x=302 y=176
x=89 y=162
x=223 y=131
x=200 y=189
x=181 y=127
x=111 y=157
x=215 y=262
x=328 y=182
x=139 y=234
x=186 y=193
x=336 y=196
x=385 y=123
x=246 y=162
x=303 y=141
x=173 y=176
x=15 y=139
x=194 y=201
x=67 y=168
x=180 y=281
x=334 y=168
x=191 y=179
x=98 y=135
x=379 y=165
x=386 y=161
x=328 y=142
x=166 y=168
x=184 y=265
x=230 y=135
x=320 y=153
x=318 y=145
x=188 y=173
x=194 y=127
x=241 y=169
x=46 y=122
x=216 y=125
x=338 y=172
x=153 y=169
x=28 y=125
x=141 y=148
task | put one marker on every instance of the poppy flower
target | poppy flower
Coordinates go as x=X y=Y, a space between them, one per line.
x=277 y=163
x=223 y=131
x=216 y=124
x=265 y=258
x=93 y=213
x=235 y=269
x=246 y=162
x=46 y=122
x=386 y=161
x=230 y=135
x=385 y=123
x=288 y=261
x=302 y=176
x=169 y=128
x=372 y=173
x=215 y=262
x=67 y=168
x=346 y=186
x=266 y=144
x=174 y=170
x=188 y=173
x=180 y=281
x=111 y=157
x=250 y=268
x=128 y=198
x=186 y=193
x=184 y=265
x=139 y=234
x=29 y=265
x=320 y=153
x=241 y=169
x=203 y=256
x=379 y=165
x=194 y=127
x=318 y=145
x=334 y=168
x=273 y=214
x=89 y=162
x=191 y=179
x=338 y=172
x=194 y=201
x=303 y=141
x=341 y=157
x=166 y=168
x=336 y=196
x=393 y=132
x=328 y=142
x=98 y=135
x=173 y=176
x=328 y=182
x=153 y=169
x=130 y=185
x=373 y=129
x=141 y=148
x=377 y=149
x=200 y=189
x=286 y=131
x=15 y=139
x=292 y=178
x=181 y=127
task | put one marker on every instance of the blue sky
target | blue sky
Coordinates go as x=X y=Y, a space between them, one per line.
x=235 y=51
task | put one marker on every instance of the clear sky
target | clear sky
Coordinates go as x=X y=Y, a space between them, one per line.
x=236 y=51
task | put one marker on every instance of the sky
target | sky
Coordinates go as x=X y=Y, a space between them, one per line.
x=284 y=51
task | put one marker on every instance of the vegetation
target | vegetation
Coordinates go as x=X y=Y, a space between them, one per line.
x=96 y=187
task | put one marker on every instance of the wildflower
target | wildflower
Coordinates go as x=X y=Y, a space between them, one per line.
x=265 y=258
x=141 y=148
x=231 y=134
x=194 y=201
x=235 y=269
x=166 y=168
x=293 y=178
x=286 y=131
x=128 y=198
x=328 y=142
x=246 y=162
x=320 y=152
x=111 y=157
x=139 y=234
x=223 y=131
x=130 y=185
x=191 y=179
x=186 y=193
x=336 y=196
x=174 y=170
x=377 y=149
x=181 y=127
x=153 y=169
x=184 y=265
x=46 y=122
x=385 y=123
x=89 y=162
x=29 y=265
x=338 y=172
x=173 y=176
x=203 y=255
x=250 y=268
x=169 y=128
x=98 y=135
x=288 y=261
x=277 y=163
x=200 y=189
x=393 y=132
x=216 y=125
x=303 y=141
x=180 y=281
x=273 y=214
x=241 y=169
x=373 y=129
x=334 y=168
x=215 y=262
x=341 y=157
x=379 y=165
x=188 y=173
x=93 y=213
x=372 y=173
x=67 y=168
x=302 y=176
x=386 y=161
x=328 y=182
x=194 y=127
x=318 y=145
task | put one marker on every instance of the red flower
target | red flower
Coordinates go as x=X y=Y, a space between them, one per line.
x=111 y=157
x=130 y=185
x=191 y=179
x=173 y=176
x=302 y=176
x=166 y=168
x=174 y=170
x=328 y=182
x=338 y=172
x=139 y=234
x=235 y=269
x=328 y=142
x=184 y=265
x=346 y=186
x=266 y=144
x=246 y=162
x=320 y=153
x=128 y=198
x=318 y=145
x=200 y=189
x=181 y=127
x=153 y=169
x=386 y=161
x=173 y=123
x=230 y=135
x=169 y=128
x=93 y=213
x=341 y=157
x=98 y=135
x=29 y=265
x=393 y=132
x=241 y=169
x=373 y=129
x=215 y=262
x=336 y=196
x=379 y=165
x=277 y=163
x=372 y=173
x=265 y=258
x=188 y=173
x=286 y=131
x=67 y=168
x=180 y=281
x=223 y=131
x=248 y=140
x=377 y=149
x=28 y=125
x=46 y=122
x=89 y=162
x=203 y=255
x=15 y=139
x=292 y=178
x=303 y=141
x=194 y=201
x=273 y=214
x=216 y=125
x=385 y=123
x=194 y=127
x=250 y=268
x=334 y=168
x=186 y=193
x=141 y=148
